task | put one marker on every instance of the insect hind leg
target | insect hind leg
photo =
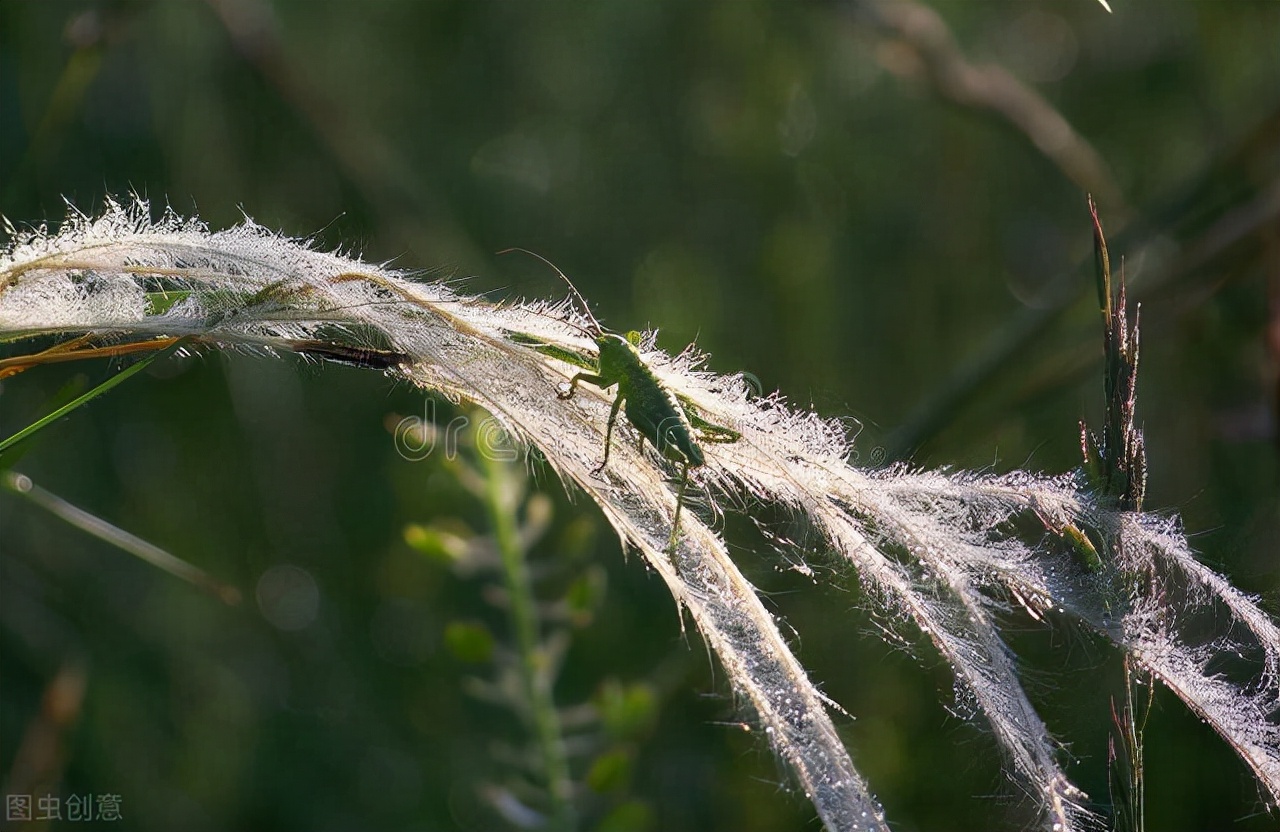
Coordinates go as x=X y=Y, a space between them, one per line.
x=675 y=523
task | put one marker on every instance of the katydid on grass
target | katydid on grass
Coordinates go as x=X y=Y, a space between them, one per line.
x=652 y=409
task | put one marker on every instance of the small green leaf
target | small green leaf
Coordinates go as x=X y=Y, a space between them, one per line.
x=626 y=710
x=469 y=642
x=610 y=771
x=162 y=302
x=1083 y=548
x=436 y=544
x=586 y=595
x=632 y=816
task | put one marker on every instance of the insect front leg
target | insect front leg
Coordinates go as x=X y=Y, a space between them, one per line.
x=608 y=430
x=598 y=381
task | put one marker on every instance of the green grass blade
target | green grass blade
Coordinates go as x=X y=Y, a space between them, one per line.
x=105 y=386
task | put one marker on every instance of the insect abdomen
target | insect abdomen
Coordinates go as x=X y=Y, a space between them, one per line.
x=657 y=415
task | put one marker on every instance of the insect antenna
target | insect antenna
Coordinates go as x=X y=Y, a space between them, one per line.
x=586 y=332
x=565 y=278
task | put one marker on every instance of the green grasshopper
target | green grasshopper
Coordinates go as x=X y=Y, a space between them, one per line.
x=661 y=416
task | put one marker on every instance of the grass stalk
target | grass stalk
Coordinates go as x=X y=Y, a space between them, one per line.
x=536 y=677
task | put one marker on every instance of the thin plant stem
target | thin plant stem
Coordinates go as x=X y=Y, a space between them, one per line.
x=1128 y=774
x=22 y=485
x=1137 y=729
x=535 y=677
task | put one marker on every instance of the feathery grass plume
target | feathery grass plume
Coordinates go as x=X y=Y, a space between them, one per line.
x=943 y=551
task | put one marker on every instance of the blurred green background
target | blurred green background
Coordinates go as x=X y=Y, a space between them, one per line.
x=844 y=202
